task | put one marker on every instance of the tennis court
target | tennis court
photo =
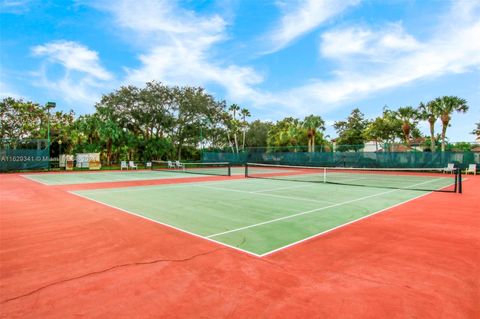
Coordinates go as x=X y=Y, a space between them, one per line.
x=156 y=173
x=242 y=243
x=275 y=207
x=79 y=177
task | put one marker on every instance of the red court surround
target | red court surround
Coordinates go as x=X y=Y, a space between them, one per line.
x=62 y=256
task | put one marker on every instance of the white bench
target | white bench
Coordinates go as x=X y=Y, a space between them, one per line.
x=132 y=165
x=472 y=168
x=450 y=168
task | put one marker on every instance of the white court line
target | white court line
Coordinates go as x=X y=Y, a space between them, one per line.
x=264 y=194
x=240 y=249
x=164 y=186
x=140 y=176
x=61 y=183
x=300 y=186
x=34 y=180
x=343 y=225
x=280 y=188
x=150 y=187
x=312 y=211
x=166 y=225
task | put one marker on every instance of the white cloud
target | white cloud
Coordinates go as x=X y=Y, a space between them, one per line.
x=179 y=48
x=73 y=56
x=14 y=6
x=163 y=16
x=394 y=59
x=82 y=77
x=390 y=40
x=302 y=16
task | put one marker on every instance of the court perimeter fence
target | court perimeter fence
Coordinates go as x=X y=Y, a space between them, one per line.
x=350 y=159
x=34 y=154
x=20 y=155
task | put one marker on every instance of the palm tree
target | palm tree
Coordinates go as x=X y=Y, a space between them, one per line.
x=227 y=120
x=289 y=136
x=313 y=123
x=234 y=108
x=429 y=113
x=477 y=130
x=446 y=106
x=409 y=117
x=244 y=113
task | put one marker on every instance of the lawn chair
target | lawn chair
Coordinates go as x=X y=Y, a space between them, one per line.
x=472 y=168
x=450 y=168
x=178 y=164
x=170 y=164
x=132 y=165
x=123 y=164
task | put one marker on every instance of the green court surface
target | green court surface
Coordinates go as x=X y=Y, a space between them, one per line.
x=259 y=216
x=121 y=176
x=106 y=176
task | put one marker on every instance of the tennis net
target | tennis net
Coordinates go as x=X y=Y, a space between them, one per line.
x=220 y=168
x=424 y=179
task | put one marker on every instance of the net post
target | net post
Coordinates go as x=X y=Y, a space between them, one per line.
x=246 y=170
x=229 y=165
x=459 y=181
x=456 y=181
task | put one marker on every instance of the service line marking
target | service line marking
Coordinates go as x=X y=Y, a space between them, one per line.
x=313 y=210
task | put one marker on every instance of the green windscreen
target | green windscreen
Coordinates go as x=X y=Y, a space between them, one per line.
x=20 y=155
x=350 y=159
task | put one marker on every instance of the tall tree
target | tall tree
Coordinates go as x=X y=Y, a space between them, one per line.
x=384 y=129
x=244 y=113
x=22 y=119
x=287 y=132
x=313 y=124
x=429 y=112
x=257 y=134
x=235 y=124
x=350 y=132
x=192 y=105
x=446 y=106
x=409 y=117
x=227 y=120
x=28 y=120
x=109 y=132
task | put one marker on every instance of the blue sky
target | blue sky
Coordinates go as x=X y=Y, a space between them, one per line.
x=277 y=58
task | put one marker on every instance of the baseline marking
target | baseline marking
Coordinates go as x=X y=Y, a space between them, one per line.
x=164 y=224
x=311 y=211
x=245 y=251
x=342 y=225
